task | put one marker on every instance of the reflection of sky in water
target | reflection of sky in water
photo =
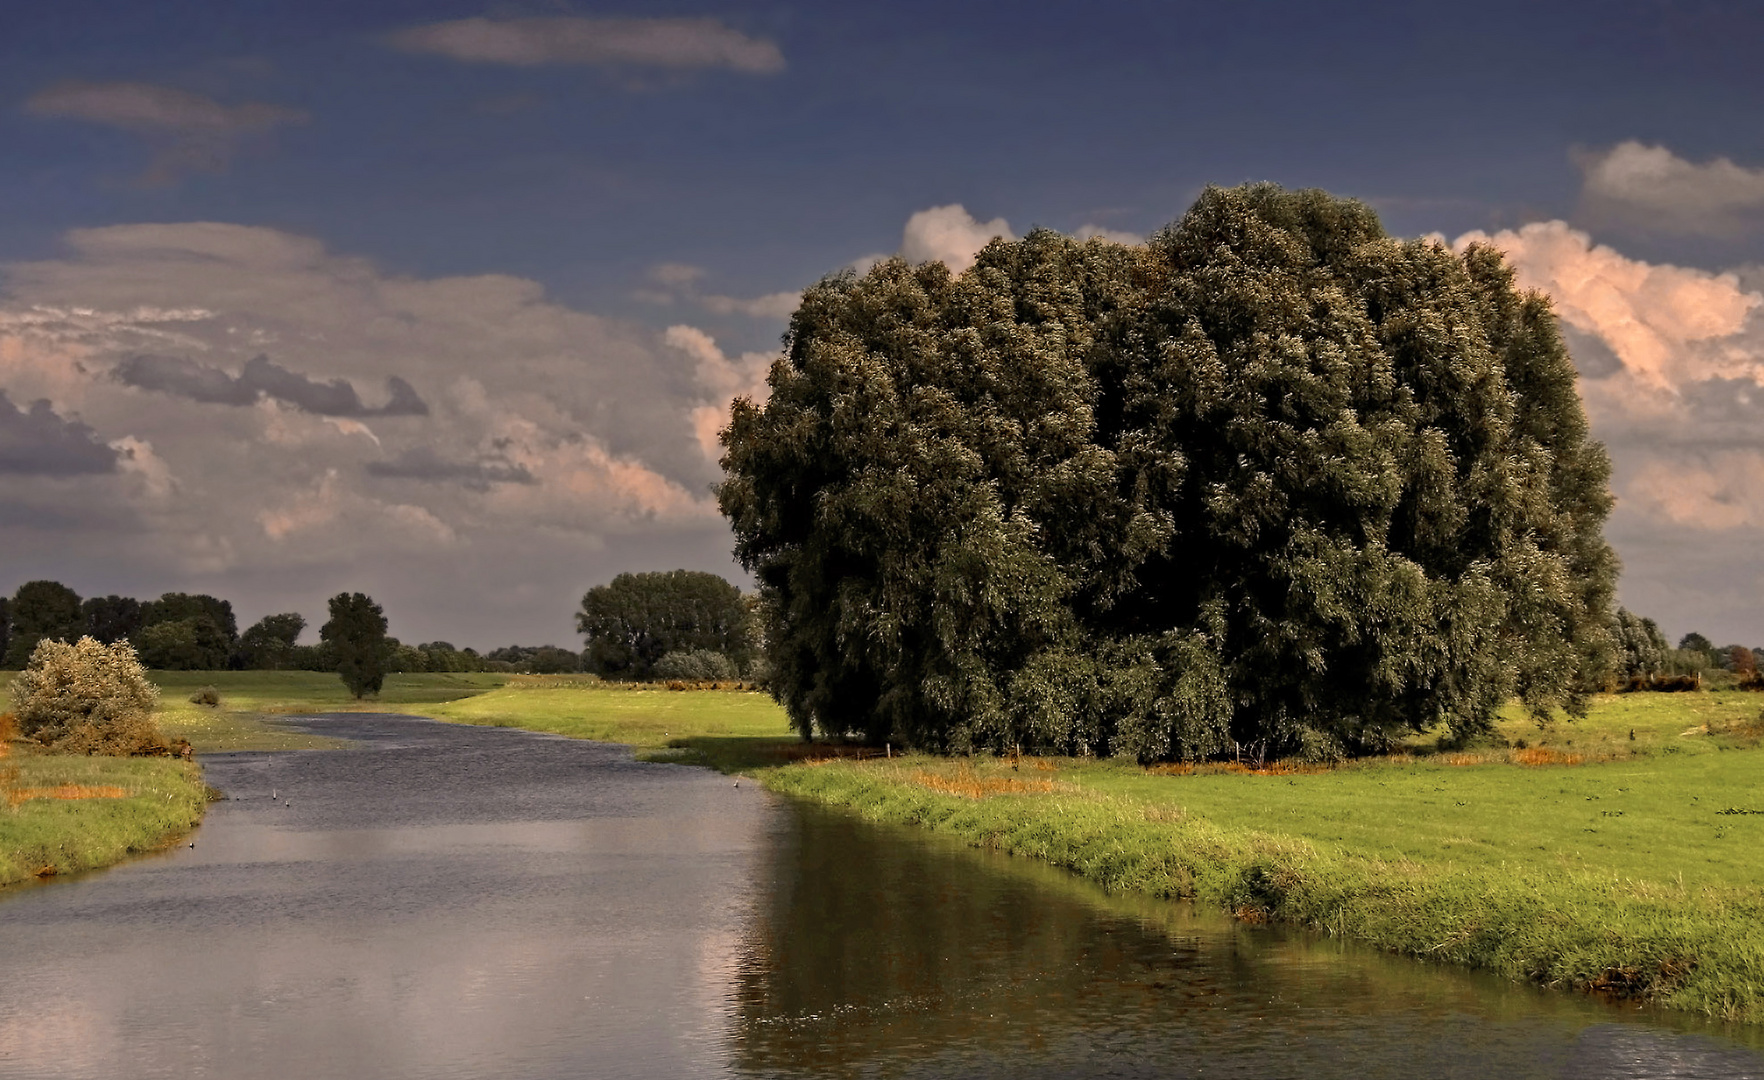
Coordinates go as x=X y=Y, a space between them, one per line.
x=541 y=908
x=594 y=947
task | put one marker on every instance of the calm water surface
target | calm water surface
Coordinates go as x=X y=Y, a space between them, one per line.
x=466 y=902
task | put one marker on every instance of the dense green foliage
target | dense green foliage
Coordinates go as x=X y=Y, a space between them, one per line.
x=111 y=619
x=187 y=632
x=39 y=610
x=696 y=665
x=1642 y=650
x=1272 y=483
x=356 y=633
x=636 y=619
x=269 y=643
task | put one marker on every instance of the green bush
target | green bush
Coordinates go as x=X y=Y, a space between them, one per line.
x=696 y=665
x=87 y=698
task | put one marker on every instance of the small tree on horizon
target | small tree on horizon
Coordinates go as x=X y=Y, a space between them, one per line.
x=357 y=634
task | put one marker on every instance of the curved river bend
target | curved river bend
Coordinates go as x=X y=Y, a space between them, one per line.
x=444 y=901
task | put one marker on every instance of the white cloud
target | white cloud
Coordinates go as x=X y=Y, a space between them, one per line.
x=950 y=234
x=1669 y=325
x=778 y=305
x=1722 y=491
x=724 y=378
x=1652 y=187
x=677 y=43
x=548 y=429
x=189 y=132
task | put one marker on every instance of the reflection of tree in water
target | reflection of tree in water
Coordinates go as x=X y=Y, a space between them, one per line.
x=882 y=952
x=874 y=946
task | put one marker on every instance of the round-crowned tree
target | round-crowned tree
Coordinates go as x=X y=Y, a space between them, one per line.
x=634 y=620
x=1272 y=483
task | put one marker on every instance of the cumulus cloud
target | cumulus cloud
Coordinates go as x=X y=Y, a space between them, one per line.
x=724 y=378
x=542 y=433
x=188 y=132
x=673 y=43
x=1672 y=376
x=1654 y=188
x=1719 y=492
x=949 y=234
x=778 y=305
x=261 y=378
x=1668 y=326
x=36 y=442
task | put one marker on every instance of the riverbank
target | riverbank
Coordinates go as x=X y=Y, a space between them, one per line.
x=1619 y=854
x=62 y=814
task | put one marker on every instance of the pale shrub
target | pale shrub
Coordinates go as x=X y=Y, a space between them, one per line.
x=87 y=698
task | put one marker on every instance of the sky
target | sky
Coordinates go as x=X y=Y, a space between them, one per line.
x=445 y=301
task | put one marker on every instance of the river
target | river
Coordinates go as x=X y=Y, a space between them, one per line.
x=445 y=901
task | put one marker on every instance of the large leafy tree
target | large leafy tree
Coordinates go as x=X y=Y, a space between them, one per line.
x=1272 y=483
x=39 y=610
x=356 y=633
x=636 y=619
x=211 y=625
x=110 y=619
x=268 y=644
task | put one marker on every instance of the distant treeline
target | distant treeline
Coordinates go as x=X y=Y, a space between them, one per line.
x=198 y=632
x=1646 y=660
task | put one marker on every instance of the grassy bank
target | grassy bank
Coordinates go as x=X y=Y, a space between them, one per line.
x=63 y=814
x=1617 y=854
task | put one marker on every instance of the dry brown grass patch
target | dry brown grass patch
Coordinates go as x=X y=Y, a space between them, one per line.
x=967 y=784
x=1543 y=755
x=14 y=796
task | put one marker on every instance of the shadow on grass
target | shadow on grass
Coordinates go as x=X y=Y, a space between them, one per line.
x=749 y=753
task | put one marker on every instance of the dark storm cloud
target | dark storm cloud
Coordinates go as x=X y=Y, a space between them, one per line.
x=424 y=464
x=37 y=442
x=184 y=378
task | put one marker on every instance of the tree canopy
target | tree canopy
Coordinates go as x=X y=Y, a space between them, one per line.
x=39 y=610
x=269 y=643
x=1273 y=482
x=636 y=619
x=356 y=633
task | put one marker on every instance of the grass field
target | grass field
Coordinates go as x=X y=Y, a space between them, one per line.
x=62 y=814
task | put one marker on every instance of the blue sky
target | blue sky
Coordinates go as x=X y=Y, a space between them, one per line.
x=573 y=231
